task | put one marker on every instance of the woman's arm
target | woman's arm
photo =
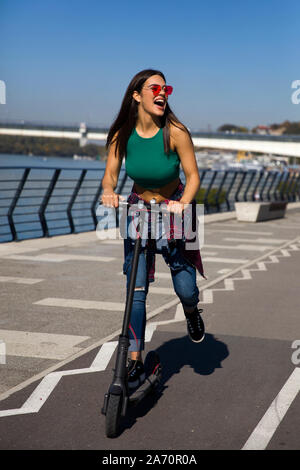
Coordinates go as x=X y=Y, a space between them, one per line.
x=111 y=175
x=185 y=149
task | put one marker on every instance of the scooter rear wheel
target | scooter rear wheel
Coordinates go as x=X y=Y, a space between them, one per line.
x=113 y=414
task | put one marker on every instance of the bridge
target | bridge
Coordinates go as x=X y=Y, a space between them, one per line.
x=286 y=145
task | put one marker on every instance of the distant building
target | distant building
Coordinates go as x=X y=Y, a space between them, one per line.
x=278 y=131
x=262 y=130
x=267 y=130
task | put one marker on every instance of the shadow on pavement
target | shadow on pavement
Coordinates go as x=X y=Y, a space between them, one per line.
x=204 y=358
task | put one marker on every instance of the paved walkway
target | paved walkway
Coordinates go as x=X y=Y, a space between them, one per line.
x=238 y=389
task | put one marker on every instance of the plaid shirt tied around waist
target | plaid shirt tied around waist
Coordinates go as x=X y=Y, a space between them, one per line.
x=173 y=233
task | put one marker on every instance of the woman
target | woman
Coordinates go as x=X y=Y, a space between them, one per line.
x=154 y=143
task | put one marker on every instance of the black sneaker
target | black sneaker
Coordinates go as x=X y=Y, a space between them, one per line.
x=136 y=373
x=195 y=325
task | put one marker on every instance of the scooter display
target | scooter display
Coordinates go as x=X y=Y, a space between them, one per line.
x=118 y=398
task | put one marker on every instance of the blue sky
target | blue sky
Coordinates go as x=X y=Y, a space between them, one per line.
x=67 y=61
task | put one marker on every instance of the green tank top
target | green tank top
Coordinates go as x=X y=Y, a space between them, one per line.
x=147 y=163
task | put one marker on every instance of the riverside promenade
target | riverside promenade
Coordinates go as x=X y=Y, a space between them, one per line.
x=62 y=303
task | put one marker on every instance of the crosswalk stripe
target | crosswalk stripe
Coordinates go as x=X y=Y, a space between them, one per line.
x=20 y=280
x=83 y=304
x=59 y=257
x=40 y=345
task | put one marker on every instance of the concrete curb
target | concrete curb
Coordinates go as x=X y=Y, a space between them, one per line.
x=209 y=218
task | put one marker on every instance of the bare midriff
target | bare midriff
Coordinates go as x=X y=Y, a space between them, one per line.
x=160 y=194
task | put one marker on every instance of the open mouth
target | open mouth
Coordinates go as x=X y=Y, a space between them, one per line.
x=160 y=103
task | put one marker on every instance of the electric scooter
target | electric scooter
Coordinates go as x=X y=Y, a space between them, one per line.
x=117 y=399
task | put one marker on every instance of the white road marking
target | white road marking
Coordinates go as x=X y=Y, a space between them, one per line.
x=83 y=304
x=272 y=241
x=233 y=224
x=261 y=266
x=158 y=275
x=104 y=356
x=179 y=315
x=240 y=247
x=284 y=226
x=162 y=290
x=49 y=382
x=20 y=280
x=150 y=328
x=248 y=232
x=59 y=257
x=258 y=261
x=224 y=260
x=161 y=275
x=37 y=244
x=2 y=352
x=42 y=345
x=224 y=271
x=267 y=426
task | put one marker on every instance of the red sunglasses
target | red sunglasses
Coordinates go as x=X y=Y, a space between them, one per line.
x=157 y=88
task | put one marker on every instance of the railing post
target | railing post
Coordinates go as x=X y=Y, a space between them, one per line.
x=45 y=201
x=275 y=191
x=208 y=189
x=290 y=187
x=261 y=192
x=219 y=190
x=253 y=173
x=229 y=189
x=297 y=188
x=236 y=197
x=14 y=203
x=72 y=200
x=271 y=185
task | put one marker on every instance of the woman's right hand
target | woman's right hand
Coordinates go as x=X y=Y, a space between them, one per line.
x=111 y=199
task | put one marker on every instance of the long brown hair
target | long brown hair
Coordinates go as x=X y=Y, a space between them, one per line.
x=125 y=122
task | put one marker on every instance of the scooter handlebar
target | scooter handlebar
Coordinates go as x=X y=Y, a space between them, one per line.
x=155 y=207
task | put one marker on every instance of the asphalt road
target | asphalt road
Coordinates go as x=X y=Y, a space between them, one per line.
x=237 y=389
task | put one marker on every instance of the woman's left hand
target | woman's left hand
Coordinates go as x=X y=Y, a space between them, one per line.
x=175 y=206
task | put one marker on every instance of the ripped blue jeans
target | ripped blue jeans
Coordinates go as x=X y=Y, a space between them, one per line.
x=184 y=281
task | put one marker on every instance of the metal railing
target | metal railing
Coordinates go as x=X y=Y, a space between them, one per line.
x=46 y=201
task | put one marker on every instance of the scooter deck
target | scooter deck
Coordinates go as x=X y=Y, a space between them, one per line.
x=146 y=387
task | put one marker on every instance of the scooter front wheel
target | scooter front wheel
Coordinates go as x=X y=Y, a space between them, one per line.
x=113 y=415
